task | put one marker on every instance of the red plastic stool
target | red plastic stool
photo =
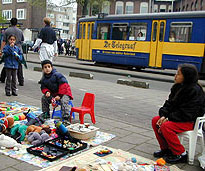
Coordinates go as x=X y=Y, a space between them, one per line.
x=86 y=107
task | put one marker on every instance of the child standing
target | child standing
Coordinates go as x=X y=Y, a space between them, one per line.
x=12 y=56
x=54 y=85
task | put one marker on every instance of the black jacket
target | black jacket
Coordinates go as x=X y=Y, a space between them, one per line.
x=185 y=103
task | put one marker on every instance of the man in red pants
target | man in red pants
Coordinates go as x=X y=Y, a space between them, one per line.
x=178 y=114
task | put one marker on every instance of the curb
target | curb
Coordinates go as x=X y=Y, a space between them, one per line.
x=132 y=83
x=81 y=75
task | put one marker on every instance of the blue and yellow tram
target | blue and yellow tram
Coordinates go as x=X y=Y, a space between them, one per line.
x=144 y=40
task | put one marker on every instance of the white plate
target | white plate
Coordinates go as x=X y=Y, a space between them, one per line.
x=84 y=129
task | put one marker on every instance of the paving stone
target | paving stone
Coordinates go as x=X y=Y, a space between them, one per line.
x=134 y=129
x=135 y=139
x=119 y=132
x=146 y=148
x=120 y=145
x=26 y=167
x=142 y=154
x=6 y=162
x=10 y=169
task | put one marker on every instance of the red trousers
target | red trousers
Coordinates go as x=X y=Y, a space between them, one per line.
x=168 y=138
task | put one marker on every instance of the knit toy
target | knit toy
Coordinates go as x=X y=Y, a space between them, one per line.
x=6 y=123
x=161 y=162
x=33 y=128
x=8 y=142
x=18 y=132
x=36 y=138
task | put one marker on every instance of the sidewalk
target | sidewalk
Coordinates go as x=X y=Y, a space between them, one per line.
x=120 y=110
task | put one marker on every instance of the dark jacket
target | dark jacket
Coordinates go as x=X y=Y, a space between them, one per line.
x=48 y=35
x=12 y=56
x=56 y=84
x=185 y=103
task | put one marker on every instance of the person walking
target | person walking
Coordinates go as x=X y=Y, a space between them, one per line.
x=47 y=42
x=13 y=30
x=67 y=47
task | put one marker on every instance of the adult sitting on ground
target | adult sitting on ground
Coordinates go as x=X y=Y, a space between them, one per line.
x=178 y=114
x=47 y=42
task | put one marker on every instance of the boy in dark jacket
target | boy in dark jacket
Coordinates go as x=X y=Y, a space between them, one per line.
x=12 y=55
x=54 y=85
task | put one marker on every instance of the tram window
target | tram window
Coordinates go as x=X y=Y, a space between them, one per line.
x=138 y=31
x=80 y=33
x=83 y=31
x=120 y=31
x=180 y=32
x=92 y=31
x=161 y=34
x=88 y=36
x=154 y=37
x=103 y=31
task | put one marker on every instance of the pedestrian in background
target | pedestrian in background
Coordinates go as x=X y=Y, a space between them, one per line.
x=13 y=30
x=178 y=114
x=12 y=57
x=67 y=47
x=47 y=42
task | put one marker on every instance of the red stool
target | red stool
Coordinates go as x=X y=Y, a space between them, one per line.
x=86 y=107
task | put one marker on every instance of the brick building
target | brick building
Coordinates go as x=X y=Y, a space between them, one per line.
x=146 y=6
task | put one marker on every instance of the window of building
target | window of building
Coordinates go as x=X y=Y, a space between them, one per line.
x=170 y=8
x=65 y=31
x=138 y=31
x=7 y=14
x=106 y=7
x=155 y=8
x=192 y=6
x=21 y=13
x=6 y=1
x=144 y=7
x=162 y=8
x=180 y=32
x=50 y=15
x=66 y=24
x=187 y=7
x=129 y=8
x=21 y=0
x=120 y=31
x=119 y=7
x=196 y=5
x=103 y=31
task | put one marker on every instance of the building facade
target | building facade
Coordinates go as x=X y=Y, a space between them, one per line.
x=31 y=17
x=145 y=6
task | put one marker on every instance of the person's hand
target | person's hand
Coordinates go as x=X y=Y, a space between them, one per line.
x=48 y=94
x=160 y=121
x=12 y=44
x=57 y=98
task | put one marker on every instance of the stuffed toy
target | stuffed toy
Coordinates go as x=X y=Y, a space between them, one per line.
x=33 y=119
x=18 y=132
x=8 y=142
x=36 y=138
x=5 y=123
x=33 y=128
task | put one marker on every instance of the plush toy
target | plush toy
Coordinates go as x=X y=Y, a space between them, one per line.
x=18 y=132
x=8 y=142
x=161 y=162
x=33 y=119
x=36 y=138
x=5 y=123
x=33 y=128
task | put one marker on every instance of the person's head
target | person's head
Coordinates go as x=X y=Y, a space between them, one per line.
x=12 y=39
x=172 y=34
x=186 y=74
x=13 y=21
x=47 y=66
x=140 y=34
x=47 y=21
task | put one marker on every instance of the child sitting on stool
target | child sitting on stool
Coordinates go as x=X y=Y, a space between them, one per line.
x=54 y=85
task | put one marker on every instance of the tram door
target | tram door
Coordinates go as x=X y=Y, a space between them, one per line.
x=157 y=41
x=80 y=41
x=85 y=52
